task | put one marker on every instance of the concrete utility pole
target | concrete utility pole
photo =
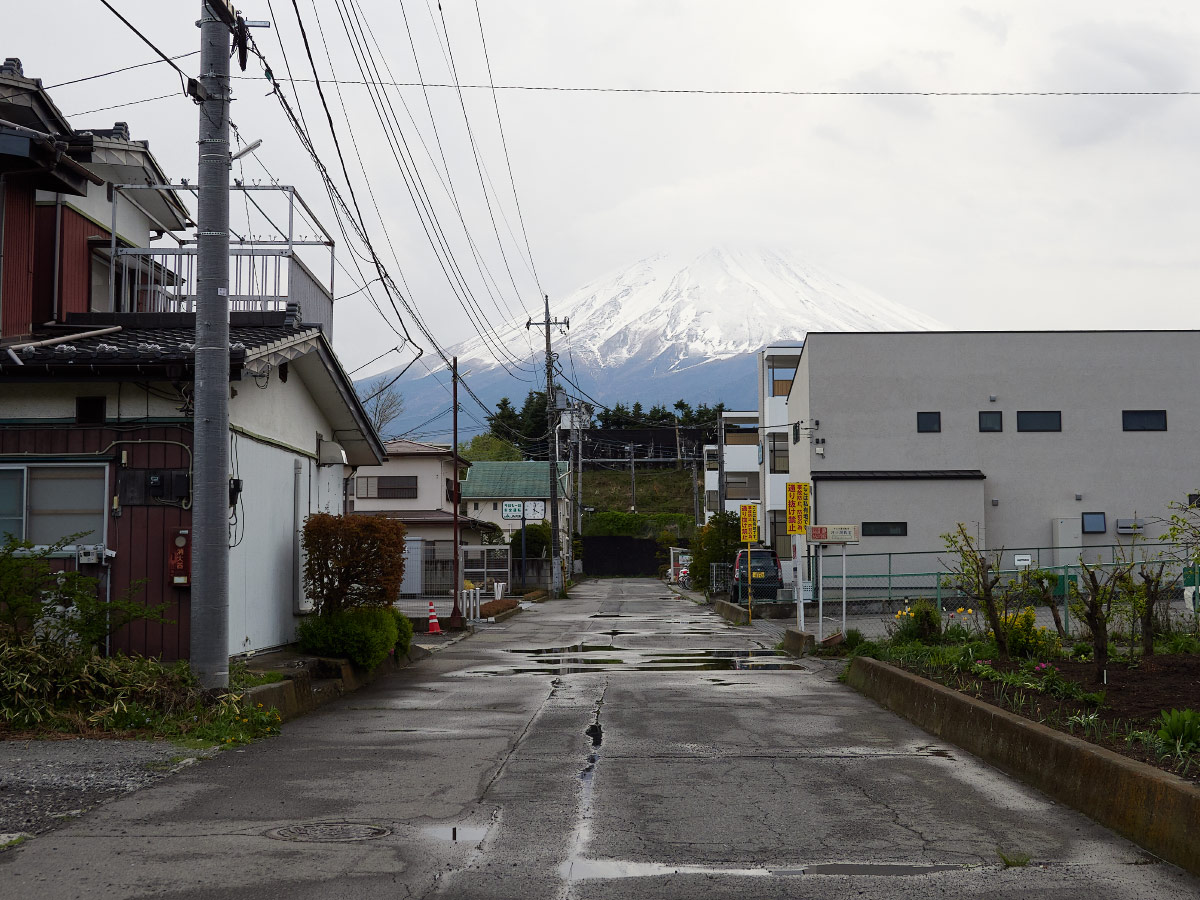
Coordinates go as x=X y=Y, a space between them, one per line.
x=210 y=491
x=456 y=617
x=552 y=450
x=695 y=493
x=579 y=468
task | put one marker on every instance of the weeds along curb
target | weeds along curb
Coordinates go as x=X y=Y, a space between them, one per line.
x=1154 y=809
x=300 y=693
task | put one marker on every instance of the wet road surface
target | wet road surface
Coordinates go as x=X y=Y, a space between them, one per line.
x=623 y=743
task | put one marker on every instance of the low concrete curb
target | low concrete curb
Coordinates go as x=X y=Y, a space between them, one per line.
x=1152 y=808
x=731 y=612
x=797 y=642
x=507 y=614
x=317 y=681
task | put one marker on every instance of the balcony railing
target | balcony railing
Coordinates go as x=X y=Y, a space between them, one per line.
x=266 y=271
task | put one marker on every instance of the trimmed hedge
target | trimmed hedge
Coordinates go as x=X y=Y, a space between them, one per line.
x=364 y=635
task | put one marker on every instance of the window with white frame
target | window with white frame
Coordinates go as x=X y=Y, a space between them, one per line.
x=45 y=503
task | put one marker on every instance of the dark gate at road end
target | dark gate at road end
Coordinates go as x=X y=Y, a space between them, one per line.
x=623 y=556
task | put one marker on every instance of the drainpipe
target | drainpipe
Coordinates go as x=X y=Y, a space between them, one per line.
x=297 y=526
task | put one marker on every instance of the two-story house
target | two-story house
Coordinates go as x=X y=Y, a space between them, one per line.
x=96 y=381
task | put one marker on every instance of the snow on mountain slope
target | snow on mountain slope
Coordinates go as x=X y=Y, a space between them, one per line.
x=669 y=326
x=679 y=310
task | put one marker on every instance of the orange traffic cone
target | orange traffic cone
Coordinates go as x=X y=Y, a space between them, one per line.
x=434 y=627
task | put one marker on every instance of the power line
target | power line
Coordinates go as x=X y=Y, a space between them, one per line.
x=123 y=105
x=718 y=92
x=183 y=77
x=504 y=143
x=81 y=80
x=364 y=57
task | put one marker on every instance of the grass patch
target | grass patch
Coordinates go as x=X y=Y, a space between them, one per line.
x=1013 y=860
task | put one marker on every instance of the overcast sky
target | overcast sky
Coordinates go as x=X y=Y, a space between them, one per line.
x=984 y=212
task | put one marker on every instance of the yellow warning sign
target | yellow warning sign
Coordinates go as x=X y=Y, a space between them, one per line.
x=798 y=507
x=749 y=522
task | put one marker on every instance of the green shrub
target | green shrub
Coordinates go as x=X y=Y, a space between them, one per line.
x=1026 y=638
x=364 y=635
x=404 y=630
x=920 y=623
x=854 y=637
x=868 y=648
x=1181 y=728
x=61 y=607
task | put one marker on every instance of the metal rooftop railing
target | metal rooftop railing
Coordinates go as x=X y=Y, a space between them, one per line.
x=266 y=271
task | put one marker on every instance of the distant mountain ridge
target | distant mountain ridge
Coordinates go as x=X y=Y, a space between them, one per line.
x=672 y=326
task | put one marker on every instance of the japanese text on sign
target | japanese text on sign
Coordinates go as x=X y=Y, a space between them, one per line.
x=798 y=506
x=749 y=522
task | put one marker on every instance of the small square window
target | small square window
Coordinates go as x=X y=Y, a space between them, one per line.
x=495 y=506
x=991 y=420
x=929 y=421
x=1144 y=419
x=475 y=507
x=90 y=410
x=1094 y=523
x=1039 y=420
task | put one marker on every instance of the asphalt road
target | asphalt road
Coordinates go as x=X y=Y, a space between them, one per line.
x=580 y=750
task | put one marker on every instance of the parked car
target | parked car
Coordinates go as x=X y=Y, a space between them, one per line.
x=761 y=579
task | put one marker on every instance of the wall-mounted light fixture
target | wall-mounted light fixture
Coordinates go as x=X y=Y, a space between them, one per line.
x=995 y=501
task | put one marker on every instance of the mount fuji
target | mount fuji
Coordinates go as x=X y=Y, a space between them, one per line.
x=669 y=326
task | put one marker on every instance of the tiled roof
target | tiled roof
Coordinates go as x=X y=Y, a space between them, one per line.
x=509 y=480
x=149 y=338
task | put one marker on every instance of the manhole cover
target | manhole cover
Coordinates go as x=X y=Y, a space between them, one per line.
x=329 y=832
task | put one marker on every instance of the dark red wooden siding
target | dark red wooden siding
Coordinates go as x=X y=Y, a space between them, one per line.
x=75 y=267
x=141 y=535
x=16 y=289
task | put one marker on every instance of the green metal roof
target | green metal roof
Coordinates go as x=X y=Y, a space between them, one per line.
x=510 y=480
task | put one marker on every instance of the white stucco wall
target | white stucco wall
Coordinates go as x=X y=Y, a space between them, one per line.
x=866 y=389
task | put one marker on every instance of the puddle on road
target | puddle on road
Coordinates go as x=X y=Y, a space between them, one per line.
x=873 y=869
x=583 y=869
x=581 y=658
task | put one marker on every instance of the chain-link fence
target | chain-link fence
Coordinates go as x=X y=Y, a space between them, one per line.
x=873 y=587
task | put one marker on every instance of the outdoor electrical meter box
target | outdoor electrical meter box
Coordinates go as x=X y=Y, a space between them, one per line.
x=179 y=557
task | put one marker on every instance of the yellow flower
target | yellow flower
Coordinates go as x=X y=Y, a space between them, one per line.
x=960 y=609
x=970 y=611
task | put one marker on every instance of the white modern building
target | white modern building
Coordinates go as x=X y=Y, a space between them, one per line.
x=1042 y=442
x=756 y=448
